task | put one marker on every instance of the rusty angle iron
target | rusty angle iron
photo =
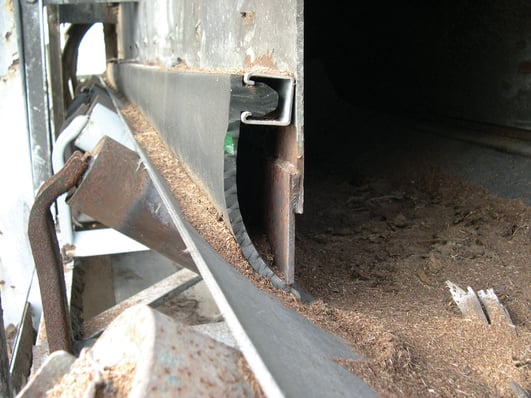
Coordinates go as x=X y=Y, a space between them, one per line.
x=117 y=191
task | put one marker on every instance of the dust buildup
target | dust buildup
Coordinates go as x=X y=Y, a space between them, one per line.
x=375 y=252
x=87 y=378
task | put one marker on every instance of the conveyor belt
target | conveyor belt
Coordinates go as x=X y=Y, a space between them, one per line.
x=288 y=354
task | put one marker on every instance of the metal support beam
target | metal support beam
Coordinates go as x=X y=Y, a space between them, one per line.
x=56 y=77
x=36 y=88
x=280 y=217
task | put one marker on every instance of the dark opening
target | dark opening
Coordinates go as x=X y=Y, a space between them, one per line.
x=256 y=145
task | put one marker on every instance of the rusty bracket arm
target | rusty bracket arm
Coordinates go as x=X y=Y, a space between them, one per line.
x=47 y=255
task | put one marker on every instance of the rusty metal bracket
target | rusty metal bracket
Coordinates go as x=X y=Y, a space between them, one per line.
x=47 y=255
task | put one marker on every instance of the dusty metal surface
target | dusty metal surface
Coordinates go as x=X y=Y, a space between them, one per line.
x=145 y=353
x=153 y=91
x=47 y=255
x=117 y=191
x=193 y=124
x=278 y=343
x=51 y=371
x=171 y=358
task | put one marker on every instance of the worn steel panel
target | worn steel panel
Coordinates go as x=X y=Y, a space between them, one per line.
x=220 y=35
x=224 y=37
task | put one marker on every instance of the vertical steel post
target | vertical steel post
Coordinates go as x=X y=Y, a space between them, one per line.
x=36 y=87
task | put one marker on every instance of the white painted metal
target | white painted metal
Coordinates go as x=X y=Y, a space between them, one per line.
x=16 y=261
x=86 y=131
x=103 y=241
x=103 y=122
x=64 y=214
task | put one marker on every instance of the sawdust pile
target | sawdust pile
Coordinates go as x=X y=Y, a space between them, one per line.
x=379 y=250
x=375 y=251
